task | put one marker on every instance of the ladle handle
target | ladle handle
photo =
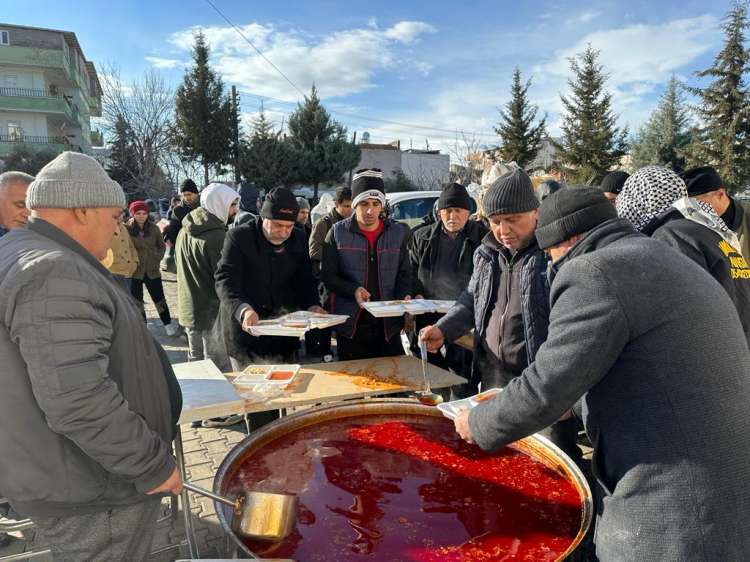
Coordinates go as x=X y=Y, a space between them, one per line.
x=204 y=492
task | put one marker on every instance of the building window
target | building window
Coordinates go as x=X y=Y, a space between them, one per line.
x=15 y=132
x=4 y=37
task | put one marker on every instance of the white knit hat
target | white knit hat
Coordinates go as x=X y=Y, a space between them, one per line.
x=73 y=180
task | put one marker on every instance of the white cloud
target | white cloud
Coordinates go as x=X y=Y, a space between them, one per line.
x=639 y=60
x=641 y=53
x=341 y=63
x=408 y=31
x=158 y=62
x=583 y=17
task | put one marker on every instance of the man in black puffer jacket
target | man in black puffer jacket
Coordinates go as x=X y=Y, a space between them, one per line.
x=507 y=300
x=656 y=201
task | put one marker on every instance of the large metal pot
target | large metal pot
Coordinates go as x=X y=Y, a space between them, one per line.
x=536 y=446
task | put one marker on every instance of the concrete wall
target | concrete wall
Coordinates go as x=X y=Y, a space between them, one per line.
x=387 y=160
x=427 y=171
x=37 y=38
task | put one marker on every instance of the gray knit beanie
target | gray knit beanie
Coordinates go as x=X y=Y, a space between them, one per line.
x=73 y=180
x=509 y=194
x=303 y=203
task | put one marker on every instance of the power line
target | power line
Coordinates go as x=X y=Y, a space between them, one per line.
x=257 y=50
x=374 y=119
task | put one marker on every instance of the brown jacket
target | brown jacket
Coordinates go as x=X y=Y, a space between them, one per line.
x=124 y=254
x=149 y=244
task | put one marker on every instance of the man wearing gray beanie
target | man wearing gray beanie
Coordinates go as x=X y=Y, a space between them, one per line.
x=507 y=300
x=92 y=398
x=636 y=328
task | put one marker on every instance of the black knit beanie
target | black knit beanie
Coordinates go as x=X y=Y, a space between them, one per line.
x=454 y=195
x=368 y=184
x=613 y=182
x=509 y=194
x=188 y=185
x=701 y=180
x=569 y=212
x=281 y=205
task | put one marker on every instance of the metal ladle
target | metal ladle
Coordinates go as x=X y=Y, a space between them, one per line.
x=258 y=515
x=426 y=396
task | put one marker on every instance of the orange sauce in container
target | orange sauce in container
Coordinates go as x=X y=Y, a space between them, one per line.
x=280 y=376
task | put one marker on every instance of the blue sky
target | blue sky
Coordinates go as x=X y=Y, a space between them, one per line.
x=443 y=66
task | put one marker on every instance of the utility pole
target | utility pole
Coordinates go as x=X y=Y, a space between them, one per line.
x=354 y=141
x=236 y=126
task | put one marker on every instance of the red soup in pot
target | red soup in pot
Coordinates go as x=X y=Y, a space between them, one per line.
x=407 y=488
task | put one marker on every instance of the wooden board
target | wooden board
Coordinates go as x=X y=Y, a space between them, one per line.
x=329 y=382
x=206 y=392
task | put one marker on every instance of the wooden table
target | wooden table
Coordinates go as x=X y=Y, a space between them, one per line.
x=207 y=393
x=331 y=382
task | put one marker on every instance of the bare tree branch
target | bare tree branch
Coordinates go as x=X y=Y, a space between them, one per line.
x=147 y=106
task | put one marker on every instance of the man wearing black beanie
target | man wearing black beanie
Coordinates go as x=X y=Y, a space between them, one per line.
x=507 y=299
x=365 y=258
x=442 y=261
x=264 y=271
x=612 y=184
x=705 y=184
x=190 y=200
x=635 y=329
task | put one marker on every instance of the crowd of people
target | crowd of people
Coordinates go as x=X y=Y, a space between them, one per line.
x=622 y=310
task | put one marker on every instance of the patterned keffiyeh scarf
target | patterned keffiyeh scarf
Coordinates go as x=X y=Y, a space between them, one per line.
x=652 y=190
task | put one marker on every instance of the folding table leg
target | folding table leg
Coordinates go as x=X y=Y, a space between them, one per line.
x=186 y=511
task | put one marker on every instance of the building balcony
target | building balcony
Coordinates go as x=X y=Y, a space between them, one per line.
x=56 y=63
x=34 y=143
x=37 y=101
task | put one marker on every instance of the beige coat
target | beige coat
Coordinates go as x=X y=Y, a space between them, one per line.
x=124 y=255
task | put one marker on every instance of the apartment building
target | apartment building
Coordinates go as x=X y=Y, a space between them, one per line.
x=48 y=90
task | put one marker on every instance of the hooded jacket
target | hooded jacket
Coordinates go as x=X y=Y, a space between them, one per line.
x=653 y=348
x=197 y=255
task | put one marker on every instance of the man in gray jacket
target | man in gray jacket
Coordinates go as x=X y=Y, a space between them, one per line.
x=652 y=349
x=89 y=399
x=13 y=211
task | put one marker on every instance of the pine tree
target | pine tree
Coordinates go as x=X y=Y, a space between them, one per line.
x=520 y=138
x=592 y=142
x=124 y=159
x=664 y=138
x=266 y=159
x=723 y=137
x=324 y=152
x=203 y=114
